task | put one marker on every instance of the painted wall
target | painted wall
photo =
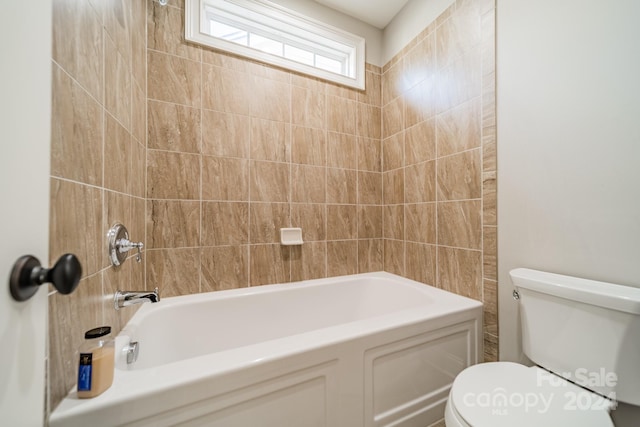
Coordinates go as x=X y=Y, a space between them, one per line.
x=569 y=132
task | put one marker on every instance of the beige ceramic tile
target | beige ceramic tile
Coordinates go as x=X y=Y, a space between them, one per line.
x=308 y=82
x=174 y=271
x=460 y=224
x=308 y=184
x=460 y=271
x=174 y=127
x=172 y=224
x=420 y=142
x=457 y=35
x=418 y=62
x=373 y=86
x=266 y=220
x=459 y=128
x=342 y=222
x=270 y=140
x=393 y=222
x=76 y=132
x=138 y=169
x=369 y=154
x=341 y=186
x=420 y=102
x=394 y=256
x=370 y=255
x=460 y=81
x=341 y=151
x=342 y=258
x=225 y=223
x=308 y=107
x=421 y=222
x=420 y=180
x=392 y=117
x=369 y=188
x=489 y=198
x=369 y=121
x=394 y=187
x=489 y=252
x=393 y=152
x=309 y=261
x=269 y=264
x=173 y=175
x=225 y=134
x=269 y=182
x=224 y=268
x=139 y=54
x=341 y=115
x=490 y=348
x=226 y=90
x=174 y=79
x=369 y=222
x=138 y=113
x=76 y=223
x=77 y=44
x=117 y=209
x=165 y=32
x=489 y=155
x=308 y=146
x=117 y=22
x=270 y=99
x=225 y=178
x=312 y=220
x=117 y=81
x=490 y=306
x=117 y=156
x=421 y=262
x=391 y=79
x=459 y=176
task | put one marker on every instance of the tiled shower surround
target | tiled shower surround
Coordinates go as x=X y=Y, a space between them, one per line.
x=205 y=156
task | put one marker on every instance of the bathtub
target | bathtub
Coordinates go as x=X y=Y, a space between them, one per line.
x=370 y=349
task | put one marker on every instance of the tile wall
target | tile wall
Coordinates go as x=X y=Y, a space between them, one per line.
x=237 y=150
x=98 y=165
x=204 y=156
x=439 y=158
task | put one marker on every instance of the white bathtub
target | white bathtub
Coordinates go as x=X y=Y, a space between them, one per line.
x=363 y=350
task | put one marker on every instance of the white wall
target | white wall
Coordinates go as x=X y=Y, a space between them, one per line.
x=371 y=34
x=568 y=100
x=408 y=23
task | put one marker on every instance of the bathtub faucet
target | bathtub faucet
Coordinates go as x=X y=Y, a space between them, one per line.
x=127 y=298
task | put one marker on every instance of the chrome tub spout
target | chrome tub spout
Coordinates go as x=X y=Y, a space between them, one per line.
x=127 y=298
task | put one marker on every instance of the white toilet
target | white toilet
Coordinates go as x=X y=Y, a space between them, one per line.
x=583 y=336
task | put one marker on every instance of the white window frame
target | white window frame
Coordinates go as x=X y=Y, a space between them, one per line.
x=298 y=28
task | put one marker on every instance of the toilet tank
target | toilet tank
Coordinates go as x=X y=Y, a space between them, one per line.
x=583 y=330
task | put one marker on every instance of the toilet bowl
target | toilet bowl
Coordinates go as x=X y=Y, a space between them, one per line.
x=505 y=394
x=583 y=337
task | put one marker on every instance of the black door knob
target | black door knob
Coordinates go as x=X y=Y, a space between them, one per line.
x=27 y=274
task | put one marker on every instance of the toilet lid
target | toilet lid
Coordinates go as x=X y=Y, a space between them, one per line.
x=509 y=394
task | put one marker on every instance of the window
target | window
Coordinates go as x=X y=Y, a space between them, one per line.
x=269 y=33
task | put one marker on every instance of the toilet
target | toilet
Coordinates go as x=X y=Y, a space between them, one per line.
x=584 y=338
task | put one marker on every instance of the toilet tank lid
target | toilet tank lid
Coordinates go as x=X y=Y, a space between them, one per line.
x=601 y=294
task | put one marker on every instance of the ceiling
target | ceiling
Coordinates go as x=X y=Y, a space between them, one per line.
x=375 y=12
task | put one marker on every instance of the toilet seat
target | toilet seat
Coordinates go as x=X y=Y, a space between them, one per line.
x=509 y=394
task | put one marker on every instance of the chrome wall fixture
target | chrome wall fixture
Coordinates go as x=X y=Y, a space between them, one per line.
x=120 y=245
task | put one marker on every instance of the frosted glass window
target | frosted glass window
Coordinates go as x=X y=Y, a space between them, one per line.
x=270 y=33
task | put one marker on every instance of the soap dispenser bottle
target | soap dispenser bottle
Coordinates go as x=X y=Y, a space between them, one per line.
x=95 y=367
